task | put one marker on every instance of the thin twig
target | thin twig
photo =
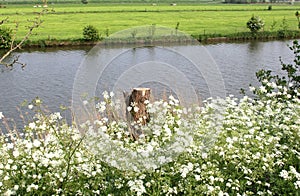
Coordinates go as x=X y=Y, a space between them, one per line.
x=35 y=24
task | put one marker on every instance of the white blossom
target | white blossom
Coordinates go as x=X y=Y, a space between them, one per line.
x=30 y=106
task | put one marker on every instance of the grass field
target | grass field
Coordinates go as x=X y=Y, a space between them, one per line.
x=66 y=21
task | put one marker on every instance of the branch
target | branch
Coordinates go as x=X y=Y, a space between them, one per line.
x=15 y=61
x=35 y=24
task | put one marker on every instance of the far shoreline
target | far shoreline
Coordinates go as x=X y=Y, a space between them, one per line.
x=207 y=39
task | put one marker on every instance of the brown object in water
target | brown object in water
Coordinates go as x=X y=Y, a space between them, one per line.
x=137 y=99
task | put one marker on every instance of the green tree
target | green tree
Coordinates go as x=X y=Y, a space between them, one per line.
x=255 y=24
x=90 y=33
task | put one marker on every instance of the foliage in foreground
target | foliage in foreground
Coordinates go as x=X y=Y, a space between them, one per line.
x=228 y=147
x=256 y=151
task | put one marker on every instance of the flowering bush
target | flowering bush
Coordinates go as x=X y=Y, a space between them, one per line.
x=226 y=147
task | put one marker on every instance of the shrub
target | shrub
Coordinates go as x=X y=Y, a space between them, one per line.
x=270 y=7
x=281 y=34
x=90 y=33
x=5 y=38
x=84 y=1
x=255 y=24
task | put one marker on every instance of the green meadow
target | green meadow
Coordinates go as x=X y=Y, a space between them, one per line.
x=66 y=21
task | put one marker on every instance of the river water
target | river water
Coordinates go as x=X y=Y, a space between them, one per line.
x=53 y=74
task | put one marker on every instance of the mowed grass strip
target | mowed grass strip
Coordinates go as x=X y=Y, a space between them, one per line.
x=66 y=21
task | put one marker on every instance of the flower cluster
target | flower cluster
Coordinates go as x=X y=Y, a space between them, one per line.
x=226 y=147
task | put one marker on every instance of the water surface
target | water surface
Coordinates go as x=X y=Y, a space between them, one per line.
x=50 y=73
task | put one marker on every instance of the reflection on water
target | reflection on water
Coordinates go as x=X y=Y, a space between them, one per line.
x=50 y=73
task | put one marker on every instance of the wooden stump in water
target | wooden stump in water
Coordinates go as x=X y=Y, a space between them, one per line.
x=137 y=102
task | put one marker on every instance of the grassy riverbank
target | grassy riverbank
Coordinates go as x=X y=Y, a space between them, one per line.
x=64 y=22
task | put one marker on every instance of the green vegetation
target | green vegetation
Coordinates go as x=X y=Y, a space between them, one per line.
x=90 y=33
x=65 y=21
x=5 y=37
x=255 y=24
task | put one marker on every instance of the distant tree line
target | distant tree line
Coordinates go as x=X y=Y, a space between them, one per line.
x=4 y=2
x=258 y=1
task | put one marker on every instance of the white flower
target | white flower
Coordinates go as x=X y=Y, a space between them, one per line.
x=30 y=106
x=10 y=161
x=105 y=95
x=220 y=193
x=129 y=108
x=76 y=137
x=263 y=89
x=103 y=128
x=136 y=109
x=43 y=126
x=148 y=184
x=149 y=148
x=57 y=115
x=204 y=155
x=210 y=188
x=1 y=115
x=85 y=102
x=284 y=174
x=101 y=107
x=10 y=146
x=229 y=140
x=111 y=94
x=119 y=135
x=161 y=159
x=167 y=130
x=137 y=186
x=32 y=125
x=212 y=179
x=29 y=145
x=184 y=172
x=8 y=192
x=197 y=177
x=36 y=143
x=297 y=184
